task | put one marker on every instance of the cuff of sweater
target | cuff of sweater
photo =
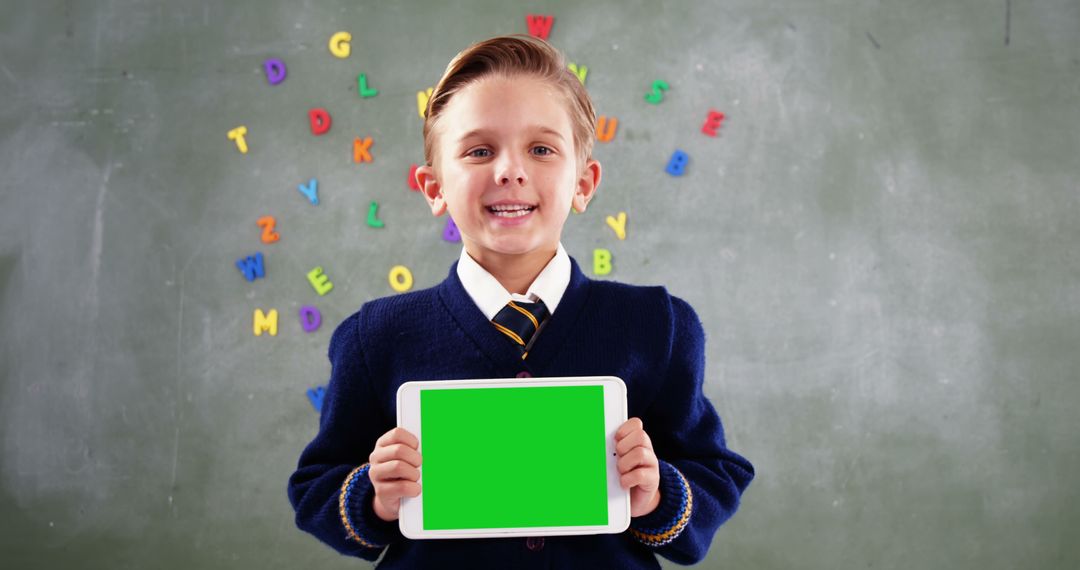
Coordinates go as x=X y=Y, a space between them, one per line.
x=357 y=513
x=667 y=522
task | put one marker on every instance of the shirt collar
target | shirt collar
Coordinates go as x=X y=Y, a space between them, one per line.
x=490 y=296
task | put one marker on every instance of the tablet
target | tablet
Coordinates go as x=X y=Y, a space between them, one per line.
x=515 y=457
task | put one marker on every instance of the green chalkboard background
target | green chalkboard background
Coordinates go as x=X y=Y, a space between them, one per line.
x=883 y=243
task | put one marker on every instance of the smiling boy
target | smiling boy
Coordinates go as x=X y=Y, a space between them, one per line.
x=508 y=137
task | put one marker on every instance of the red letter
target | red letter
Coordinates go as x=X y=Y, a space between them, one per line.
x=539 y=26
x=412 y=178
x=320 y=121
x=712 y=122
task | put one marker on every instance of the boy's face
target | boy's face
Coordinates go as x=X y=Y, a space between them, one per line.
x=506 y=168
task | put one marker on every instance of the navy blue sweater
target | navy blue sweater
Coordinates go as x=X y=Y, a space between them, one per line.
x=650 y=339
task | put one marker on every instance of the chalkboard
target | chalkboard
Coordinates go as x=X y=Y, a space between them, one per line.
x=881 y=240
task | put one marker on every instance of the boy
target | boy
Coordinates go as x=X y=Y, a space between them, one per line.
x=507 y=137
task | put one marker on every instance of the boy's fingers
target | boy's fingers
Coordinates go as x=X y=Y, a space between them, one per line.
x=639 y=478
x=635 y=439
x=396 y=451
x=627 y=427
x=637 y=457
x=398 y=489
x=398 y=435
x=394 y=470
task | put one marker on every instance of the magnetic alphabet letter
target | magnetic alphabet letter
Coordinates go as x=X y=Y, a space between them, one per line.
x=315 y=396
x=311 y=190
x=320 y=121
x=275 y=71
x=400 y=278
x=605 y=128
x=657 y=95
x=360 y=150
x=618 y=224
x=450 y=232
x=373 y=216
x=413 y=184
x=677 y=165
x=237 y=135
x=310 y=318
x=601 y=261
x=319 y=281
x=267 y=224
x=539 y=26
x=363 y=88
x=422 y=98
x=339 y=44
x=252 y=266
x=265 y=322
x=712 y=122
x=579 y=70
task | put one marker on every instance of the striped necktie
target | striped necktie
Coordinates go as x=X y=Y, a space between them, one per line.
x=520 y=323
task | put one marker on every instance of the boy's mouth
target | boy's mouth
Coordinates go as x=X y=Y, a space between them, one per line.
x=510 y=210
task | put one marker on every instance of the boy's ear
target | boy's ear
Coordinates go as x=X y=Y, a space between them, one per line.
x=432 y=190
x=586 y=185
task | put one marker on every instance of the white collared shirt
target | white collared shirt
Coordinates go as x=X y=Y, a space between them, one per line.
x=490 y=296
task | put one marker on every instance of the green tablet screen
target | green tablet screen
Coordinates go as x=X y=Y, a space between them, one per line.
x=513 y=457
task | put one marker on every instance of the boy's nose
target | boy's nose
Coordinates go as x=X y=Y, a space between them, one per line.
x=510 y=171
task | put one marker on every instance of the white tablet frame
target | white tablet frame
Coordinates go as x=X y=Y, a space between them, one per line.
x=408 y=416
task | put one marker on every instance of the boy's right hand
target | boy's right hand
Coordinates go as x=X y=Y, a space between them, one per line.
x=394 y=471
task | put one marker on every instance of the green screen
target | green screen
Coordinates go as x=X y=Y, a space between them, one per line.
x=513 y=457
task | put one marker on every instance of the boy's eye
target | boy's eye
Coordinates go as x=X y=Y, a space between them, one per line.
x=542 y=150
x=479 y=153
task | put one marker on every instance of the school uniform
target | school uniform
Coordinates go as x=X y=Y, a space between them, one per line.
x=649 y=338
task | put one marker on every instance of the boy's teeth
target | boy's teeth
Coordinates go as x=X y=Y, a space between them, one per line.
x=510 y=210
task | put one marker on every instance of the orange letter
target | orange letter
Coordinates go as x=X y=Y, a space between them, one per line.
x=606 y=134
x=267 y=224
x=360 y=150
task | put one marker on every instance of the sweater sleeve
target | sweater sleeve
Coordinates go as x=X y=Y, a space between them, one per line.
x=701 y=480
x=330 y=489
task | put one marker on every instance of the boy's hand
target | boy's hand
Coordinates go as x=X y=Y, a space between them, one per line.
x=394 y=472
x=639 y=470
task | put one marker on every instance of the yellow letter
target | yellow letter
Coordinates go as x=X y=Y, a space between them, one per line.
x=265 y=322
x=400 y=278
x=422 y=99
x=319 y=281
x=601 y=261
x=619 y=225
x=339 y=44
x=237 y=135
x=579 y=70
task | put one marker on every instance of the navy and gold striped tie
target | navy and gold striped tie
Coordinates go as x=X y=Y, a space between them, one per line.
x=520 y=322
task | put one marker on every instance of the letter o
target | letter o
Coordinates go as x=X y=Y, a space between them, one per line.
x=400 y=278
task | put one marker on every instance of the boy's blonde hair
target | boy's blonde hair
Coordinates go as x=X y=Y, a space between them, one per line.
x=510 y=56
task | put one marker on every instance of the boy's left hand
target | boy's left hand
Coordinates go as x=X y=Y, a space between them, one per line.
x=639 y=470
